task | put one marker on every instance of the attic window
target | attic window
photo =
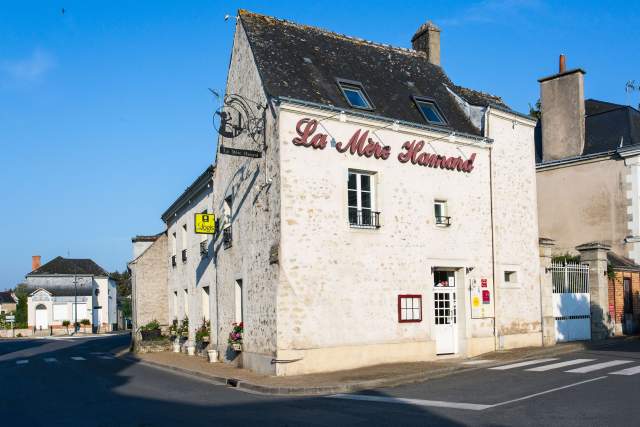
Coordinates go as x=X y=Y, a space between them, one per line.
x=355 y=95
x=430 y=111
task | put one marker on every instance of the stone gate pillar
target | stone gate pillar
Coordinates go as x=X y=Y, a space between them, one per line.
x=595 y=254
x=546 y=292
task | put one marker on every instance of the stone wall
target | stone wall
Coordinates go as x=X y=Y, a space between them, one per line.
x=149 y=297
x=253 y=185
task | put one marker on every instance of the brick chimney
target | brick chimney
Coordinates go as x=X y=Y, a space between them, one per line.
x=35 y=262
x=562 y=107
x=427 y=40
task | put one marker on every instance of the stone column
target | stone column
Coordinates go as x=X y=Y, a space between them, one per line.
x=546 y=293
x=595 y=254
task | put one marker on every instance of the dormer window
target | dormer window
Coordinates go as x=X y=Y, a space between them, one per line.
x=430 y=111
x=355 y=95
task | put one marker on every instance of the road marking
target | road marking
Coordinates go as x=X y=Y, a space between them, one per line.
x=521 y=364
x=454 y=405
x=628 y=371
x=559 y=365
x=50 y=359
x=598 y=366
x=477 y=362
x=22 y=362
x=416 y=402
x=78 y=358
x=105 y=357
x=530 y=396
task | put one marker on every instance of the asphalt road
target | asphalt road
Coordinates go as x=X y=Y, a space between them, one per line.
x=78 y=382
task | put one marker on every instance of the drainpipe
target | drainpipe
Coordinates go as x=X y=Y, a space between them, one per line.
x=496 y=338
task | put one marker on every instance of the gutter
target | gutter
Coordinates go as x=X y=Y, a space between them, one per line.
x=442 y=130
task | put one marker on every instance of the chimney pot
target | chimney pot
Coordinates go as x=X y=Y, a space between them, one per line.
x=35 y=262
x=427 y=40
x=562 y=66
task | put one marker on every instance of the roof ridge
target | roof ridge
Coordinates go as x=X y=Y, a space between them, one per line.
x=405 y=50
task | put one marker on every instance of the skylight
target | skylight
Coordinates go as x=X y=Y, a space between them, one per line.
x=355 y=95
x=430 y=111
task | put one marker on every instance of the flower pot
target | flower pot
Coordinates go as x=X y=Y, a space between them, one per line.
x=236 y=346
x=176 y=346
x=213 y=355
x=205 y=338
x=191 y=350
x=151 y=335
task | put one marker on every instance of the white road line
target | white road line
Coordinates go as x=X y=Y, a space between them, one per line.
x=526 y=363
x=105 y=357
x=560 y=365
x=477 y=362
x=628 y=371
x=50 y=359
x=598 y=366
x=416 y=402
x=78 y=358
x=22 y=362
x=530 y=396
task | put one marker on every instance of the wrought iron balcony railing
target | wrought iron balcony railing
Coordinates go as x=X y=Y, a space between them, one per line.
x=444 y=221
x=173 y=261
x=204 y=251
x=226 y=237
x=365 y=218
x=184 y=255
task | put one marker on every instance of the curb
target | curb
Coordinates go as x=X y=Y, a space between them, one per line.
x=250 y=387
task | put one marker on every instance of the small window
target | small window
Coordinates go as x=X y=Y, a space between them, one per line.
x=409 y=308
x=361 y=200
x=510 y=277
x=228 y=202
x=355 y=95
x=430 y=111
x=441 y=213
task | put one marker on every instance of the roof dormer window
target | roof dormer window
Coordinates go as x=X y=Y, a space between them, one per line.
x=355 y=95
x=430 y=111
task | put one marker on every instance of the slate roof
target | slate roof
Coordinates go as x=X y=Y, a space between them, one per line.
x=619 y=262
x=68 y=290
x=303 y=62
x=60 y=265
x=608 y=127
x=6 y=298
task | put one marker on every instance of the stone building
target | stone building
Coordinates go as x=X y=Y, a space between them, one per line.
x=149 y=275
x=8 y=302
x=73 y=290
x=190 y=270
x=588 y=182
x=388 y=216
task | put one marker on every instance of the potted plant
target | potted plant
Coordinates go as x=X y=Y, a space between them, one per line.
x=85 y=323
x=202 y=334
x=66 y=324
x=174 y=334
x=183 y=330
x=151 y=331
x=235 y=336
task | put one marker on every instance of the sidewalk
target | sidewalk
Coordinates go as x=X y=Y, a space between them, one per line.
x=342 y=381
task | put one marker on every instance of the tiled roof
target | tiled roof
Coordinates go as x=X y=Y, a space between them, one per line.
x=61 y=265
x=302 y=62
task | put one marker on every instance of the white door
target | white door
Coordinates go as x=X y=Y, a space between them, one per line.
x=444 y=310
x=42 y=318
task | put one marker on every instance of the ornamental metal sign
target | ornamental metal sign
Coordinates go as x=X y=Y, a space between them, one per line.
x=239 y=115
x=205 y=223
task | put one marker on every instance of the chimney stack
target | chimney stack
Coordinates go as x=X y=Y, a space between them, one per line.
x=427 y=40
x=35 y=262
x=563 y=111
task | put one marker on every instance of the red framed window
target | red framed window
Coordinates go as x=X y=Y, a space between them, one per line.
x=409 y=308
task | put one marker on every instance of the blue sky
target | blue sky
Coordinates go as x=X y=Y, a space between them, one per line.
x=105 y=116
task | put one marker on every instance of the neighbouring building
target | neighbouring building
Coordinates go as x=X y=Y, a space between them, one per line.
x=588 y=184
x=8 y=302
x=370 y=210
x=73 y=290
x=149 y=296
x=190 y=270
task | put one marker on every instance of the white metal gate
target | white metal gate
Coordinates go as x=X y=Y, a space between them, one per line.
x=571 y=301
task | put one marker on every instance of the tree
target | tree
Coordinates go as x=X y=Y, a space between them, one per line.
x=123 y=283
x=535 y=111
x=21 y=307
x=125 y=306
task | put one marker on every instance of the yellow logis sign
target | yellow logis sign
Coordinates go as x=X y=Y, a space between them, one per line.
x=205 y=223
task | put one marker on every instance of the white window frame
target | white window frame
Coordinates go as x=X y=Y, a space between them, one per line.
x=57 y=318
x=444 y=212
x=359 y=206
